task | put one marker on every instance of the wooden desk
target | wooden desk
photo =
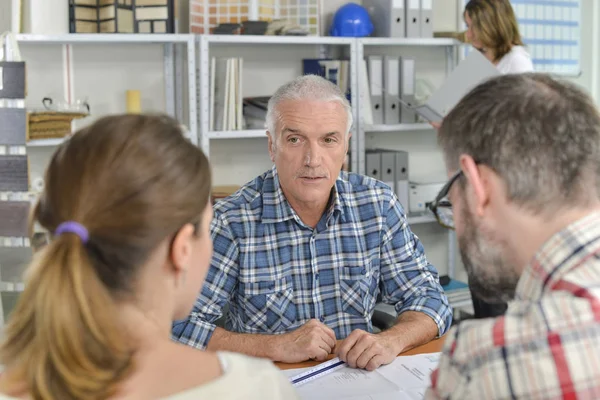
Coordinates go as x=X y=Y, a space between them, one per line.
x=432 y=347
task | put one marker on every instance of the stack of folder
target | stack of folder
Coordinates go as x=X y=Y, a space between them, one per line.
x=226 y=109
x=388 y=80
x=401 y=18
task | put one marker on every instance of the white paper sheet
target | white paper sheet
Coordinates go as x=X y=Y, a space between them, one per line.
x=406 y=378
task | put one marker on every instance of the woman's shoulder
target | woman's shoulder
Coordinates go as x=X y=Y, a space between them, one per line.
x=243 y=377
x=516 y=61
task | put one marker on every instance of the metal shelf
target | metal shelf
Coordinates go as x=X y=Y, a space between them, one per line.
x=45 y=142
x=399 y=128
x=445 y=42
x=7 y=287
x=251 y=133
x=74 y=38
x=261 y=39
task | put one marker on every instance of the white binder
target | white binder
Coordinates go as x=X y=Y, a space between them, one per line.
x=425 y=19
x=391 y=81
x=407 y=89
x=413 y=16
x=373 y=164
x=375 y=67
x=388 y=17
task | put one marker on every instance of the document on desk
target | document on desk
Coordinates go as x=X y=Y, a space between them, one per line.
x=406 y=378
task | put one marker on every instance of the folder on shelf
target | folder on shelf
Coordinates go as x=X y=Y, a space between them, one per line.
x=226 y=102
x=366 y=110
x=14 y=176
x=388 y=17
x=401 y=186
x=13 y=126
x=472 y=71
x=14 y=216
x=391 y=80
x=407 y=89
x=375 y=69
x=373 y=164
x=219 y=89
x=425 y=19
x=12 y=80
x=413 y=23
x=239 y=101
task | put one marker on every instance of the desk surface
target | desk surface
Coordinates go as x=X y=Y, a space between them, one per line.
x=432 y=347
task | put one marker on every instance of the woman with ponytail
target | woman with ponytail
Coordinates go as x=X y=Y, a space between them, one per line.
x=127 y=202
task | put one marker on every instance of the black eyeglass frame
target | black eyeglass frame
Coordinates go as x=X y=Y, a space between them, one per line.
x=439 y=199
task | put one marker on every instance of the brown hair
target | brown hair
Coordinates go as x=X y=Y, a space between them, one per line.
x=541 y=135
x=132 y=181
x=495 y=25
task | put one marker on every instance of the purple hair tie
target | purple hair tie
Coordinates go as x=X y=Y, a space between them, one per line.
x=73 y=227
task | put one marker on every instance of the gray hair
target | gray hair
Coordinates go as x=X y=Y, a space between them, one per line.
x=540 y=135
x=306 y=87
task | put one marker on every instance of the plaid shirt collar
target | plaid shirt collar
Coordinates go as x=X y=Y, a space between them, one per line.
x=276 y=208
x=558 y=255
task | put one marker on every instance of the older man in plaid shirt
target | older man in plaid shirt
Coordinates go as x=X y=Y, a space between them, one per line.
x=526 y=210
x=303 y=252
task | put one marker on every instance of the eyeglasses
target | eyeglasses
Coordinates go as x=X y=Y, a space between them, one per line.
x=441 y=206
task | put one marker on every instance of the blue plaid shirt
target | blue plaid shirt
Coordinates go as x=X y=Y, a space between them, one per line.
x=277 y=273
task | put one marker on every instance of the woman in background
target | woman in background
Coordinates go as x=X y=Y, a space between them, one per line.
x=127 y=200
x=492 y=29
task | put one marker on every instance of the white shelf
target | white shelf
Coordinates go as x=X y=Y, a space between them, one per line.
x=73 y=38
x=381 y=41
x=423 y=218
x=262 y=39
x=45 y=142
x=251 y=133
x=399 y=127
x=12 y=287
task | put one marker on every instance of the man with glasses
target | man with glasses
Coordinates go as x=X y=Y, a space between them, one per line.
x=523 y=153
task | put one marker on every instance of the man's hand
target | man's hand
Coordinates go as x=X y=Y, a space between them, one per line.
x=312 y=340
x=368 y=351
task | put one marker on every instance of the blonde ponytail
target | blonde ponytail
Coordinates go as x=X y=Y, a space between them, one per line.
x=64 y=335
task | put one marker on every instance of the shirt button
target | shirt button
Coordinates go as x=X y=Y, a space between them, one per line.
x=363 y=271
x=322 y=318
x=316 y=276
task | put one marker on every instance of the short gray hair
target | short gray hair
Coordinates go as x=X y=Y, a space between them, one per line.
x=540 y=135
x=306 y=87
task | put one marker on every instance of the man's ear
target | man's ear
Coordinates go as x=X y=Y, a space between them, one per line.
x=181 y=248
x=478 y=180
x=271 y=148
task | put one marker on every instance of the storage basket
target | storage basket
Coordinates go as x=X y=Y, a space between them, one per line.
x=50 y=124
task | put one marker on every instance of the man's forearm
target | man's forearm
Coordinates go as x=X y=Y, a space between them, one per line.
x=256 y=345
x=412 y=329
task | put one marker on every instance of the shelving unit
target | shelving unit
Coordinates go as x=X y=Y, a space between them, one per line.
x=175 y=46
x=206 y=43
x=450 y=48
